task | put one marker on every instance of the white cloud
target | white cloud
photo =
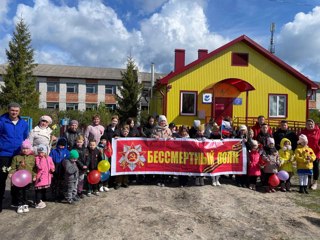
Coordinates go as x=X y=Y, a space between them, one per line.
x=91 y=34
x=148 y=6
x=298 y=43
x=4 y=7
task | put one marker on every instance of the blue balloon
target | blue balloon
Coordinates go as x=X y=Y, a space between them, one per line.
x=105 y=176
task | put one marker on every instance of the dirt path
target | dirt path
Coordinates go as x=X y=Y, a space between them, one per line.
x=151 y=212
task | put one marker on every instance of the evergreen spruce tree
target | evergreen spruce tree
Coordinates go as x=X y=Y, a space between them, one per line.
x=19 y=82
x=130 y=92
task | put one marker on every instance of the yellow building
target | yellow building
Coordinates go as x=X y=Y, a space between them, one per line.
x=241 y=80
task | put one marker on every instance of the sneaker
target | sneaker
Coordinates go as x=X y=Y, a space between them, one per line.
x=162 y=185
x=283 y=189
x=96 y=193
x=159 y=184
x=81 y=195
x=20 y=209
x=76 y=199
x=314 y=186
x=101 y=189
x=214 y=183
x=273 y=190
x=25 y=208
x=106 y=189
x=70 y=201
x=89 y=194
x=218 y=183
x=40 y=205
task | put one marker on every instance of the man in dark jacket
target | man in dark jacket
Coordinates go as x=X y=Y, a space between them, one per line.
x=72 y=133
x=284 y=132
x=13 y=131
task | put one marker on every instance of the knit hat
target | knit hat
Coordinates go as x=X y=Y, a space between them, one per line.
x=26 y=144
x=46 y=118
x=201 y=127
x=254 y=143
x=243 y=127
x=303 y=139
x=196 y=123
x=162 y=118
x=74 y=154
x=42 y=148
x=270 y=141
x=74 y=122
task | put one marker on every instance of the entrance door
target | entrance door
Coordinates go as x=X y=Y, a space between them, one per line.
x=222 y=108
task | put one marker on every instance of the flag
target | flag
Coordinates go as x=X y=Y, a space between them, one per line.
x=108 y=150
x=226 y=128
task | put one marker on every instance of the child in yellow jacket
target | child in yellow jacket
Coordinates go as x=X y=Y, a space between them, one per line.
x=286 y=156
x=304 y=156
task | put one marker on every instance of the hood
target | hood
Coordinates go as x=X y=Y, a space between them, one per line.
x=283 y=140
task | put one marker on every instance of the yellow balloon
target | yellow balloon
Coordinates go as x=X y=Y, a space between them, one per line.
x=103 y=166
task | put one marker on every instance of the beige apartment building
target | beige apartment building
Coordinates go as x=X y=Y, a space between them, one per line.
x=82 y=88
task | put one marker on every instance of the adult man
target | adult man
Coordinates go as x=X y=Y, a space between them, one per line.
x=284 y=132
x=13 y=131
x=313 y=134
x=257 y=127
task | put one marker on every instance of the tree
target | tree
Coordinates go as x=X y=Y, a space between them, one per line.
x=19 y=82
x=130 y=92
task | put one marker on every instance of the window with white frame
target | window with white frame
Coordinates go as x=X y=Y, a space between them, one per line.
x=72 y=106
x=91 y=88
x=52 y=105
x=52 y=87
x=111 y=106
x=278 y=105
x=110 y=89
x=91 y=106
x=72 y=87
x=188 y=103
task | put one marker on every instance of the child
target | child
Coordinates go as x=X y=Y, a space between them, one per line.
x=272 y=162
x=122 y=180
x=200 y=137
x=92 y=157
x=45 y=168
x=254 y=165
x=286 y=159
x=304 y=156
x=71 y=174
x=215 y=134
x=58 y=155
x=105 y=151
x=81 y=163
x=23 y=161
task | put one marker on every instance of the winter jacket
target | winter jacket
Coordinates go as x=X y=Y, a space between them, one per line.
x=45 y=168
x=301 y=154
x=256 y=130
x=147 y=130
x=58 y=155
x=93 y=157
x=71 y=171
x=254 y=163
x=11 y=136
x=134 y=132
x=39 y=136
x=111 y=133
x=286 y=157
x=161 y=132
x=27 y=162
x=280 y=134
x=71 y=137
x=313 y=136
x=262 y=138
x=81 y=162
x=93 y=132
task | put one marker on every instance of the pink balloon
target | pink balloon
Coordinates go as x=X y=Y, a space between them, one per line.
x=21 y=178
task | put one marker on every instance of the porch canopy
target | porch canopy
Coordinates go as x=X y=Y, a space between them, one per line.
x=241 y=85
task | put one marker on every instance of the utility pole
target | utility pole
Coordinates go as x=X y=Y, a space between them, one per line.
x=272 y=48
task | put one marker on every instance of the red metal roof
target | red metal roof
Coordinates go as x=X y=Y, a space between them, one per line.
x=241 y=85
x=255 y=46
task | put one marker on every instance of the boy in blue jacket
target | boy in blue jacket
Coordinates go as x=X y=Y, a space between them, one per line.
x=58 y=155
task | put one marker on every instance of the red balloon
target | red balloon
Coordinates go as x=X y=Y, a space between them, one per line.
x=94 y=177
x=274 y=180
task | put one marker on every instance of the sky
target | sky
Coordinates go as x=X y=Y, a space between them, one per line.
x=103 y=33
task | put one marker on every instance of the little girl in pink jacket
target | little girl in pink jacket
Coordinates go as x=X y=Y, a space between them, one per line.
x=45 y=168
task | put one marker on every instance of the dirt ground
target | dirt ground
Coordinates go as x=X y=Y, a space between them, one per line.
x=151 y=212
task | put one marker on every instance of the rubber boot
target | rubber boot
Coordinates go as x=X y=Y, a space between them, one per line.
x=305 y=189
x=288 y=186
x=301 y=190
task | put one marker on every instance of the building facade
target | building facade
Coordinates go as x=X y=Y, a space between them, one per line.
x=82 y=88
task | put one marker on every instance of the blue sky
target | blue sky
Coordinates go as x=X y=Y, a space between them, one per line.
x=102 y=33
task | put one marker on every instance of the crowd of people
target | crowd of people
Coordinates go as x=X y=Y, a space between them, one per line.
x=64 y=168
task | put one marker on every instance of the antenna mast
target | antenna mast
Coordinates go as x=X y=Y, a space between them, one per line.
x=272 y=48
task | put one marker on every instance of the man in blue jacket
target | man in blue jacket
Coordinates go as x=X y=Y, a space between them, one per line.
x=13 y=131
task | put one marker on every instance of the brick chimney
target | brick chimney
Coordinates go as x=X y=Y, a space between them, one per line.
x=179 y=59
x=202 y=53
